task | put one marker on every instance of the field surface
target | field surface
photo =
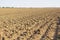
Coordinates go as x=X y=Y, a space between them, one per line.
x=29 y=24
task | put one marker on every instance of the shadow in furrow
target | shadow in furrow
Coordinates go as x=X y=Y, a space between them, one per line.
x=57 y=36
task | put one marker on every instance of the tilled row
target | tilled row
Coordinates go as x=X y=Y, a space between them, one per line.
x=37 y=36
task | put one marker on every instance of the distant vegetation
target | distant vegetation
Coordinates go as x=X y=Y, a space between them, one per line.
x=7 y=7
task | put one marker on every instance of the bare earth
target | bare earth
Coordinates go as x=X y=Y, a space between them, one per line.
x=29 y=24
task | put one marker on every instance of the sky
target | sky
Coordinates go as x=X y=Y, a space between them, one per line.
x=30 y=3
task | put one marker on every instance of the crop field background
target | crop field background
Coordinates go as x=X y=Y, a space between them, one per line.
x=29 y=24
